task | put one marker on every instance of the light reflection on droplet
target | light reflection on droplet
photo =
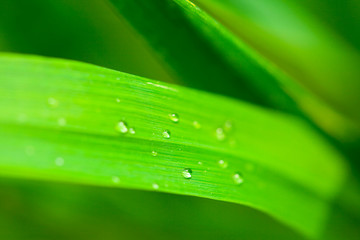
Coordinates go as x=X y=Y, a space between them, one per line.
x=166 y=134
x=115 y=179
x=174 y=117
x=238 y=179
x=132 y=130
x=187 y=173
x=121 y=127
x=220 y=134
x=222 y=163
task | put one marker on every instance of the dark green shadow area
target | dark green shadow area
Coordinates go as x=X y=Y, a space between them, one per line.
x=84 y=30
x=64 y=211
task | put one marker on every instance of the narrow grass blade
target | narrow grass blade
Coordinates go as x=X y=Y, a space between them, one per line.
x=300 y=44
x=202 y=53
x=68 y=121
x=205 y=55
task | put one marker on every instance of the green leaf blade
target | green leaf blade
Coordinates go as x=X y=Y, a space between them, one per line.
x=63 y=109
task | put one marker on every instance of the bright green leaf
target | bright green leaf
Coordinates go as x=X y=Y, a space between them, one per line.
x=74 y=122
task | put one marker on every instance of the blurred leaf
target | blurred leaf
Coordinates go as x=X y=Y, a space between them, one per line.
x=84 y=30
x=61 y=119
x=290 y=36
x=64 y=211
x=342 y=17
x=207 y=56
x=202 y=53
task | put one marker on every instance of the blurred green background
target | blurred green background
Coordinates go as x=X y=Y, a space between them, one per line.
x=316 y=43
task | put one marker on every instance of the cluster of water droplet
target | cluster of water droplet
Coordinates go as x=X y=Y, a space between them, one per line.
x=238 y=179
x=186 y=172
x=222 y=163
x=123 y=128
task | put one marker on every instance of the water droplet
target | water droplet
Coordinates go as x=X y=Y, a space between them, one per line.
x=155 y=186
x=154 y=153
x=196 y=125
x=121 y=127
x=220 y=135
x=118 y=100
x=238 y=179
x=166 y=134
x=62 y=122
x=53 y=102
x=174 y=117
x=132 y=131
x=59 y=161
x=187 y=173
x=223 y=164
x=200 y=163
x=115 y=179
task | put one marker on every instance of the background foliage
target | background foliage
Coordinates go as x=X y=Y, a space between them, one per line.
x=292 y=72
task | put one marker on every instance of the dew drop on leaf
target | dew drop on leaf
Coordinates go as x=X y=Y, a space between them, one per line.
x=155 y=186
x=118 y=100
x=174 y=117
x=187 y=173
x=132 y=130
x=223 y=164
x=121 y=127
x=238 y=179
x=220 y=135
x=166 y=134
x=154 y=153
x=115 y=179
